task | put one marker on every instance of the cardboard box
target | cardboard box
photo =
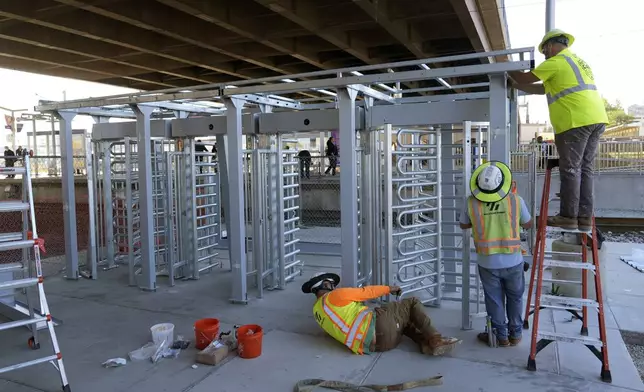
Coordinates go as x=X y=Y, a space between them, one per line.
x=213 y=355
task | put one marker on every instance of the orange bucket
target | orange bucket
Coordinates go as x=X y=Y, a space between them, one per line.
x=206 y=330
x=249 y=341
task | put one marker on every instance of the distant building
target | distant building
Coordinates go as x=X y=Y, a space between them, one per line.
x=636 y=111
x=532 y=131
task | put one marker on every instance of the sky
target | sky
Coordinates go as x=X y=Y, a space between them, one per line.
x=604 y=31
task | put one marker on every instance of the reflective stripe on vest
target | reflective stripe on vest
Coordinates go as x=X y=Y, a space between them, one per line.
x=485 y=244
x=581 y=84
x=352 y=333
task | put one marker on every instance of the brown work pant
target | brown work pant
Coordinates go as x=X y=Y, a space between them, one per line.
x=406 y=317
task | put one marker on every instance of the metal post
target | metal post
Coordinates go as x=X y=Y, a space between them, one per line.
x=14 y=129
x=498 y=138
x=514 y=120
x=53 y=135
x=69 y=196
x=222 y=167
x=348 y=186
x=146 y=213
x=466 y=321
x=550 y=15
x=92 y=249
x=35 y=139
x=235 y=222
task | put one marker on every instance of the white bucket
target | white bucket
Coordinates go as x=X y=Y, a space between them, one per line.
x=162 y=332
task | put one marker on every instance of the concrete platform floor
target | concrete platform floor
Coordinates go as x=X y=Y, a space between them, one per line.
x=105 y=319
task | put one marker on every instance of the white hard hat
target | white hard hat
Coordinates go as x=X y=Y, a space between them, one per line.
x=490 y=178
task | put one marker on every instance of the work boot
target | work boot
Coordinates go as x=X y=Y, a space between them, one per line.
x=514 y=341
x=562 y=222
x=439 y=345
x=585 y=224
x=484 y=337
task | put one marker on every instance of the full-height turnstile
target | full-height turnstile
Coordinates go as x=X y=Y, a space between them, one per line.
x=270 y=175
x=114 y=184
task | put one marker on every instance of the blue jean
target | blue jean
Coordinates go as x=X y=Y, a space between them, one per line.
x=504 y=296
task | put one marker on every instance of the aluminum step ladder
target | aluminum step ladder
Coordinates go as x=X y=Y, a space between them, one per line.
x=26 y=240
x=572 y=305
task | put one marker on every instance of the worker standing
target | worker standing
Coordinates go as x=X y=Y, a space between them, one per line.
x=496 y=216
x=578 y=116
x=342 y=314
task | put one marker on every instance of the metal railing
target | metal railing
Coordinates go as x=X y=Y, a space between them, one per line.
x=43 y=166
x=612 y=156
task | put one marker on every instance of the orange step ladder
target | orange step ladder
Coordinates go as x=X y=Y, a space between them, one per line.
x=573 y=305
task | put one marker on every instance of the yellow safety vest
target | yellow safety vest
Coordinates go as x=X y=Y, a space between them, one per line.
x=495 y=226
x=573 y=99
x=346 y=324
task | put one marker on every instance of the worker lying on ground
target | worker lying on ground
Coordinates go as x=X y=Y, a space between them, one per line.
x=496 y=215
x=579 y=118
x=342 y=314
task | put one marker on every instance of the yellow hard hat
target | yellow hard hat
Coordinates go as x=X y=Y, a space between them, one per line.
x=556 y=33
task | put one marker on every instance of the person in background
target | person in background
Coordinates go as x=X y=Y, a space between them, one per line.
x=305 y=163
x=496 y=214
x=9 y=160
x=578 y=116
x=200 y=148
x=20 y=152
x=542 y=152
x=332 y=155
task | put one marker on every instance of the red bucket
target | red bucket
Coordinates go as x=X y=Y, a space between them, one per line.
x=249 y=341
x=206 y=330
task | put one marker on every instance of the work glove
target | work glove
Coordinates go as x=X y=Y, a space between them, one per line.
x=395 y=290
x=526 y=266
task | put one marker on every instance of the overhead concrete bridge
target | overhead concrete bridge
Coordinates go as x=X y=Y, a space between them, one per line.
x=157 y=44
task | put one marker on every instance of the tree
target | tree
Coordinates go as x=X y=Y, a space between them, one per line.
x=616 y=114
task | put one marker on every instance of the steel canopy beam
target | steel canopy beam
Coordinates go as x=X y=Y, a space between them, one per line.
x=466 y=70
x=124 y=100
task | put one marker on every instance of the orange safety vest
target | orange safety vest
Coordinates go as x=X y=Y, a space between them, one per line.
x=347 y=324
x=496 y=226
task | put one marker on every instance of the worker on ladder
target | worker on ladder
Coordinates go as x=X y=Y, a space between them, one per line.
x=578 y=117
x=496 y=214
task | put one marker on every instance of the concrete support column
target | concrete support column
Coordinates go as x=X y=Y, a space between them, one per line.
x=148 y=278
x=499 y=138
x=348 y=186
x=235 y=222
x=69 y=196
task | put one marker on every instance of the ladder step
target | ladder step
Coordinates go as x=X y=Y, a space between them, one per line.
x=12 y=245
x=561 y=281
x=567 y=302
x=569 y=264
x=19 y=283
x=13 y=206
x=22 y=323
x=576 y=231
x=11 y=267
x=560 y=337
x=4 y=237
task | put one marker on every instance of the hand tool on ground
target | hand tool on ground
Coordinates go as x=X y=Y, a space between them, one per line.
x=319 y=385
